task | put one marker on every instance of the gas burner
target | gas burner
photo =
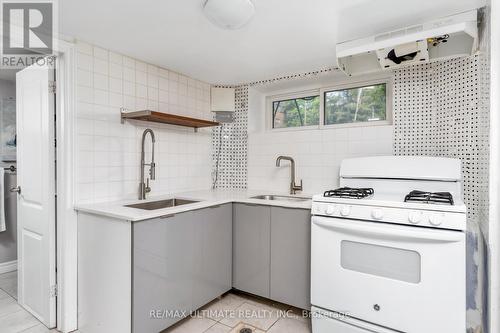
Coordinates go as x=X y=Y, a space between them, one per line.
x=347 y=192
x=430 y=197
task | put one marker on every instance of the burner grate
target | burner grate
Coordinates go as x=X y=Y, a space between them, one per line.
x=429 y=197
x=348 y=192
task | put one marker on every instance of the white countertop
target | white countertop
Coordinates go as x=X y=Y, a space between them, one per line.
x=206 y=198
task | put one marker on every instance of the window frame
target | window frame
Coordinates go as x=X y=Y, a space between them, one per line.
x=289 y=96
x=388 y=103
x=321 y=91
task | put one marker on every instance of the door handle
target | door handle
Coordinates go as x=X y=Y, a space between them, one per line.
x=16 y=189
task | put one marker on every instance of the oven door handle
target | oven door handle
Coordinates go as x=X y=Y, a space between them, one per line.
x=389 y=232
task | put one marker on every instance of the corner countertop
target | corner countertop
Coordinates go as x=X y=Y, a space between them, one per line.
x=206 y=198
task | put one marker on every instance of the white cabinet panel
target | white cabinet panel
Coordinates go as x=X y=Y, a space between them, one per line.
x=291 y=256
x=251 y=248
x=180 y=263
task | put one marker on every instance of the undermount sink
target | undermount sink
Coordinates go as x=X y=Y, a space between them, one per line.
x=152 y=205
x=279 y=197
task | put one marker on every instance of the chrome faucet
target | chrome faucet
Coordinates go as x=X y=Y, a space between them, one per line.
x=293 y=187
x=144 y=187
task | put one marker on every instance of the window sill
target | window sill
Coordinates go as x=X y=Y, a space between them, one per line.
x=330 y=127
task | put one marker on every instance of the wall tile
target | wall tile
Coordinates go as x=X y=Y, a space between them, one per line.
x=115 y=70
x=108 y=152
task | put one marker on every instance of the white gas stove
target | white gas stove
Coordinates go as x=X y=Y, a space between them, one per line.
x=388 y=247
x=391 y=208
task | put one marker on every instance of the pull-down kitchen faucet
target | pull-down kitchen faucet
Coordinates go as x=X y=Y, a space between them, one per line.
x=293 y=187
x=144 y=187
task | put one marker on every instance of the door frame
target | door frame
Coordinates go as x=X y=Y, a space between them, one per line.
x=66 y=217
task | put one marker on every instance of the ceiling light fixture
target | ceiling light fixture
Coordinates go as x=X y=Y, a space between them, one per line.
x=229 y=14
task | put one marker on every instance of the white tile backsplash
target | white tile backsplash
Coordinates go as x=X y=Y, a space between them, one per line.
x=317 y=154
x=108 y=152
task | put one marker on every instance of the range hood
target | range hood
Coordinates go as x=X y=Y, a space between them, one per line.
x=449 y=37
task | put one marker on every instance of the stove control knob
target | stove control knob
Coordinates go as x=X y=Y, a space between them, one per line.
x=345 y=210
x=414 y=217
x=329 y=210
x=435 y=219
x=377 y=214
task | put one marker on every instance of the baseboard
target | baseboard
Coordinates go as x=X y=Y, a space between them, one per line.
x=8 y=266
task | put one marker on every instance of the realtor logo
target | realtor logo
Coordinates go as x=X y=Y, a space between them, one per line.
x=27 y=27
x=28 y=33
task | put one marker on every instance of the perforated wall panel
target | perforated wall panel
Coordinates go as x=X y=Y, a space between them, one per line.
x=437 y=113
x=230 y=154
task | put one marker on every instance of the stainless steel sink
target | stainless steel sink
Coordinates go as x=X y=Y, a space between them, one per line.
x=279 y=197
x=152 y=205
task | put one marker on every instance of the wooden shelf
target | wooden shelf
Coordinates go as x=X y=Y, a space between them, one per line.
x=166 y=118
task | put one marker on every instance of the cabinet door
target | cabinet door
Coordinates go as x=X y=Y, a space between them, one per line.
x=163 y=271
x=290 y=256
x=251 y=248
x=214 y=261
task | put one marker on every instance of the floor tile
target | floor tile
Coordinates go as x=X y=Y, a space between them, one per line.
x=3 y=294
x=289 y=325
x=192 y=325
x=9 y=306
x=259 y=301
x=241 y=326
x=8 y=283
x=40 y=328
x=219 y=328
x=299 y=314
x=17 y=322
x=222 y=308
x=262 y=316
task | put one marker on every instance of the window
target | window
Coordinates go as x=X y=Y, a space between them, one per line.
x=345 y=104
x=296 y=112
x=354 y=105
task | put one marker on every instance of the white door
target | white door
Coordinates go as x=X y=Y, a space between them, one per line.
x=36 y=196
x=401 y=277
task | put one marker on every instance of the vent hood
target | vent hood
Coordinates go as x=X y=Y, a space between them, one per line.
x=449 y=37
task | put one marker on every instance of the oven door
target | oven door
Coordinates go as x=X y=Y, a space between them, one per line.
x=405 y=278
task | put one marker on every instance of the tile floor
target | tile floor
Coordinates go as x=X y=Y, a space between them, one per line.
x=13 y=318
x=8 y=283
x=235 y=311
x=229 y=314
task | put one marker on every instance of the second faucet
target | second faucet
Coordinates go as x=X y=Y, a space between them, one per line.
x=293 y=187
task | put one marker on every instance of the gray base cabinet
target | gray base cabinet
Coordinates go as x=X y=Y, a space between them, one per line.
x=271 y=252
x=291 y=256
x=180 y=263
x=251 y=248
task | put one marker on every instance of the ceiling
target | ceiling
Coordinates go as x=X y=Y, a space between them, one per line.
x=284 y=37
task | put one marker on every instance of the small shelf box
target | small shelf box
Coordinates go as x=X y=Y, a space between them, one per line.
x=166 y=118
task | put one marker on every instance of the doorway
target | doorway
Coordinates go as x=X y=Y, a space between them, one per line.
x=8 y=214
x=65 y=255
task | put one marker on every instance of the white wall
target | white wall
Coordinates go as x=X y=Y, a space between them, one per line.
x=317 y=152
x=108 y=152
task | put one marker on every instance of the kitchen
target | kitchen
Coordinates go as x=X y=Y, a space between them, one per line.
x=237 y=190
